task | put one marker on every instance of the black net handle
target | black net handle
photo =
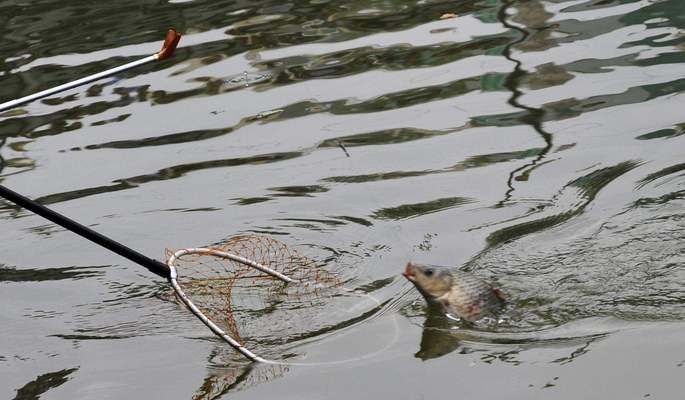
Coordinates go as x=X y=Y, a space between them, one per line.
x=154 y=266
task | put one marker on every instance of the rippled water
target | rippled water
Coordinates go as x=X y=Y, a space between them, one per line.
x=535 y=143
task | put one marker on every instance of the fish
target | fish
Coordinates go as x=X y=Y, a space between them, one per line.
x=458 y=293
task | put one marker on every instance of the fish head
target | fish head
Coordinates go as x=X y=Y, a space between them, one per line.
x=431 y=280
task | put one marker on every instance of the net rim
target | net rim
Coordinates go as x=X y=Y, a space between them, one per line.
x=173 y=278
x=223 y=254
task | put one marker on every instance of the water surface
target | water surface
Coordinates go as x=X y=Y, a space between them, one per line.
x=535 y=143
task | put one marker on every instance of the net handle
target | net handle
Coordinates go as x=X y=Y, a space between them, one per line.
x=151 y=264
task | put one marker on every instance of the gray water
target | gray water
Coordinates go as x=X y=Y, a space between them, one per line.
x=535 y=143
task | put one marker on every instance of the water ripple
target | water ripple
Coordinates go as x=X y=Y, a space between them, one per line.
x=536 y=143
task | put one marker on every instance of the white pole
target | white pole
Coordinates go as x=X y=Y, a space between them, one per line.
x=168 y=48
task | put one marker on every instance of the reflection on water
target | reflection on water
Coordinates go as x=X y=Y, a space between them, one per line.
x=535 y=143
x=45 y=274
x=529 y=14
x=43 y=383
x=437 y=338
x=222 y=380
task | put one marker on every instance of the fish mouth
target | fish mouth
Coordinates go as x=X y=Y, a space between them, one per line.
x=409 y=272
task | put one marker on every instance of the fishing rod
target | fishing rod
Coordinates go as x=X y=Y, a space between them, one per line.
x=274 y=253
x=168 y=49
x=69 y=224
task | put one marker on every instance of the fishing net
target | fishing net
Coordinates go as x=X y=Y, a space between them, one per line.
x=261 y=294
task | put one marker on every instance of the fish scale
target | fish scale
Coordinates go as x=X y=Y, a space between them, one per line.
x=459 y=293
x=472 y=297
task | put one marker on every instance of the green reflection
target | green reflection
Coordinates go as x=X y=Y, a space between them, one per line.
x=46 y=274
x=43 y=383
x=418 y=209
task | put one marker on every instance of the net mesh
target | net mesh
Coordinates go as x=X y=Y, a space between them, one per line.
x=222 y=380
x=254 y=308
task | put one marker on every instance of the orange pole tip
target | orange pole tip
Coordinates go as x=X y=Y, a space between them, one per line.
x=169 y=46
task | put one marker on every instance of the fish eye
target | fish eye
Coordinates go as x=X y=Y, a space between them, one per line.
x=428 y=272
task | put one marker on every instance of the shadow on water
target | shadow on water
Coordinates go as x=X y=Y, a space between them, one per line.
x=46 y=274
x=44 y=383
x=475 y=161
x=442 y=336
x=436 y=338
